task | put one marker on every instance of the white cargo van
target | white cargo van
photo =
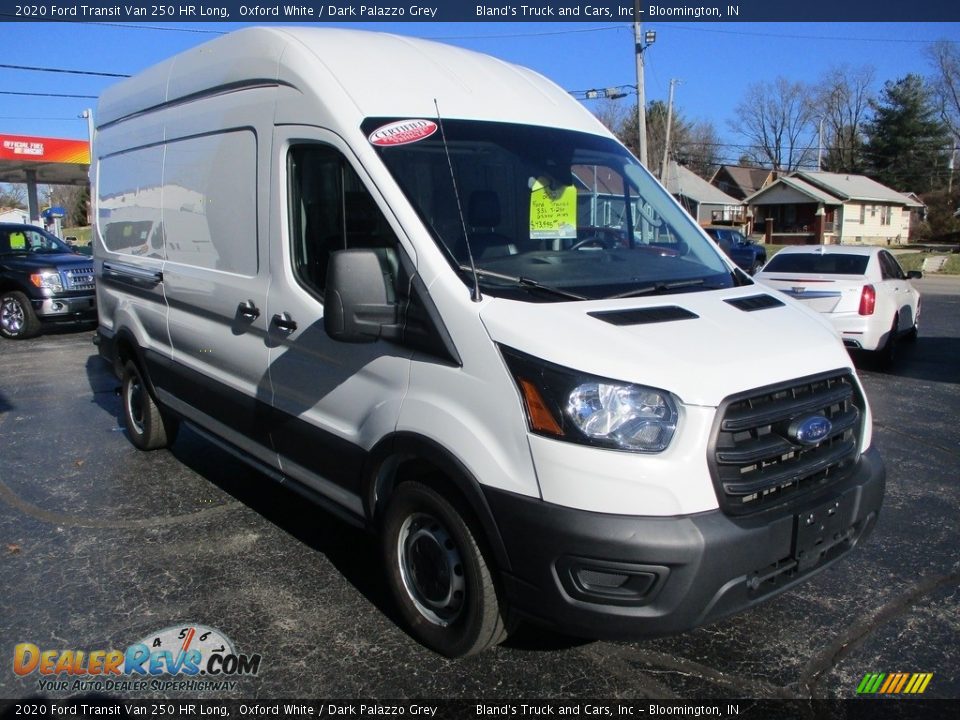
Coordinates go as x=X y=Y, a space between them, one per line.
x=432 y=290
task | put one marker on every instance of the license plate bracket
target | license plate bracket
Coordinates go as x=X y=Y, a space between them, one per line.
x=816 y=531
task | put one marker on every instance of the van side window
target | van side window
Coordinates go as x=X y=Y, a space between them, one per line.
x=330 y=209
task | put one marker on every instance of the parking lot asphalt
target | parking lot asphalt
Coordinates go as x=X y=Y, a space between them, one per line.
x=102 y=545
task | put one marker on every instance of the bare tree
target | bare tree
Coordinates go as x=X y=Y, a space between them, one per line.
x=945 y=56
x=776 y=120
x=702 y=151
x=13 y=196
x=693 y=144
x=75 y=199
x=843 y=101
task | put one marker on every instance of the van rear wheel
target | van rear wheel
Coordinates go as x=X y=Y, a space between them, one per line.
x=438 y=574
x=148 y=427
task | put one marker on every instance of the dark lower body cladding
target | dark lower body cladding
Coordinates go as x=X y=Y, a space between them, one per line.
x=623 y=577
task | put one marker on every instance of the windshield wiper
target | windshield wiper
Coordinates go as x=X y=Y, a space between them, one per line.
x=658 y=288
x=525 y=282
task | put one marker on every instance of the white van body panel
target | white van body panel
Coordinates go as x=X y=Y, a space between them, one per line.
x=229 y=181
x=700 y=360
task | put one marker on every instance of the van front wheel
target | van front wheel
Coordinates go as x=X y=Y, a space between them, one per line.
x=147 y=426
x=439 y=576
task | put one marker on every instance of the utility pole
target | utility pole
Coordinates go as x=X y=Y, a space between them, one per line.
x=820 y=146
x=641 y=95
x=666 y=141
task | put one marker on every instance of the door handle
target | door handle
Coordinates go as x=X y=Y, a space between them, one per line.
x=248 y=310
x=285 y=322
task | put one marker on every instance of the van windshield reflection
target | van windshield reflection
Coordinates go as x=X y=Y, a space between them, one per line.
x=549 y=213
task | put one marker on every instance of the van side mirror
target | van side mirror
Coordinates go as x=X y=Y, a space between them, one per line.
x=914 y=275
x=356 y=308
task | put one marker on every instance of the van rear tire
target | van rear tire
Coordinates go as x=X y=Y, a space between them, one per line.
x=148 y=427
x=441 y=578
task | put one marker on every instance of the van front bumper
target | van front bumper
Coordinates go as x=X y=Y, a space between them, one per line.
x=621 y=577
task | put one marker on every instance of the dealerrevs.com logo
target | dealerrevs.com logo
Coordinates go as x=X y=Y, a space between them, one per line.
x=188 y=657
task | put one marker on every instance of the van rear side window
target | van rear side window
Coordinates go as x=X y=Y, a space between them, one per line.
x=128 y=208
x=210 y=202
x=331 y=209
x=167 y=202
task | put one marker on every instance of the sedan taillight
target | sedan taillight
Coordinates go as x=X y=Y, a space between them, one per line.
x=868 y=300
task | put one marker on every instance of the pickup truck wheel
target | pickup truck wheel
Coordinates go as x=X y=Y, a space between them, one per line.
x=148 y=427
x=756 y=267
x=438 y=574
x=18 y=321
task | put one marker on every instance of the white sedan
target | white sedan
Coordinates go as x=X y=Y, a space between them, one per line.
x=862 y=290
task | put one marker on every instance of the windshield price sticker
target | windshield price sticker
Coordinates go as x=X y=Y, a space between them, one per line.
x=553 y=211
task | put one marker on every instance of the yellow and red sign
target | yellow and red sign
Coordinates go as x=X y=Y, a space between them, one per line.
x=24 y=148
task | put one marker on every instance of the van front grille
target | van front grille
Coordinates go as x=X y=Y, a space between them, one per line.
x=758 y=458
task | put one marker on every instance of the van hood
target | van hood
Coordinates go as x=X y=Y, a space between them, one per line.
x=701 y=346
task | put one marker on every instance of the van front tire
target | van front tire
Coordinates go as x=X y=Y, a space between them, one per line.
x=148 y=427
x=439 y=576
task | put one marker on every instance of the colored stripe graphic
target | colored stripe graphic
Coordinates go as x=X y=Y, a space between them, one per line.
x=894 y=683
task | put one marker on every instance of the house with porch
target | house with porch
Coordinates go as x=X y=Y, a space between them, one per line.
x=816 y=208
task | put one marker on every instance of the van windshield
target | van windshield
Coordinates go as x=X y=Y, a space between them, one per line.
x=547 y=214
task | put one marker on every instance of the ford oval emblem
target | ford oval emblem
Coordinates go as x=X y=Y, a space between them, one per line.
x=810 y=430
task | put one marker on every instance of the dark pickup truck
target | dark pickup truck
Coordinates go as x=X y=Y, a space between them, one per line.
x=747 y=255
x=41 y=281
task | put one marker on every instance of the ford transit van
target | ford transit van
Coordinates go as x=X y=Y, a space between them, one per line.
x=433 y=291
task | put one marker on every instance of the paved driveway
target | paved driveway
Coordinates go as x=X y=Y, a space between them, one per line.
x=101 y=546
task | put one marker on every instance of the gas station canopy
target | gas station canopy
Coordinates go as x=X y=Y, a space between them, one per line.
x=43 y=161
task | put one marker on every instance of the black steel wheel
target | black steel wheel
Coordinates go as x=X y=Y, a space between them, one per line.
x=148 y=427
x=441 y=579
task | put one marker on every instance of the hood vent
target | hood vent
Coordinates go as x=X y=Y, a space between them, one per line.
x=754 y=302
x=644 y=316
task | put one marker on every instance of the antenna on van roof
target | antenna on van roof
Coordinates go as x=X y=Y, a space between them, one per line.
x=475 y=295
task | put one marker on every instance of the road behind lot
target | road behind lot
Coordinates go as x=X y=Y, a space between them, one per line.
x=102 y=545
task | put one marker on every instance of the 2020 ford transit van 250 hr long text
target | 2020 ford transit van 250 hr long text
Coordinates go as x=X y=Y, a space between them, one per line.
x=429 y=287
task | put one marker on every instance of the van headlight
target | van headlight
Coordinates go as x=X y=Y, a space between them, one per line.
x=576 y=407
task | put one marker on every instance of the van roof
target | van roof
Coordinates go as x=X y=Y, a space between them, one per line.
x=357 y=74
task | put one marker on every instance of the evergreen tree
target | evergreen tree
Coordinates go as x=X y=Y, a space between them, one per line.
x=907 y=142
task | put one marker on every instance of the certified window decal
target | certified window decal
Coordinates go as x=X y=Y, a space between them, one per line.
x=402 y=132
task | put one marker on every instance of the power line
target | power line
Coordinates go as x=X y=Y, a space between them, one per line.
x=49 y=95
x=64 y=71
x=30 y=117
x=127 y=26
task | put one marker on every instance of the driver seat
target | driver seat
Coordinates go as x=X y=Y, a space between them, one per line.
x=483 y=217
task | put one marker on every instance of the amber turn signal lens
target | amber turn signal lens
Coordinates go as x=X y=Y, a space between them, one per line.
x=541 y=419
